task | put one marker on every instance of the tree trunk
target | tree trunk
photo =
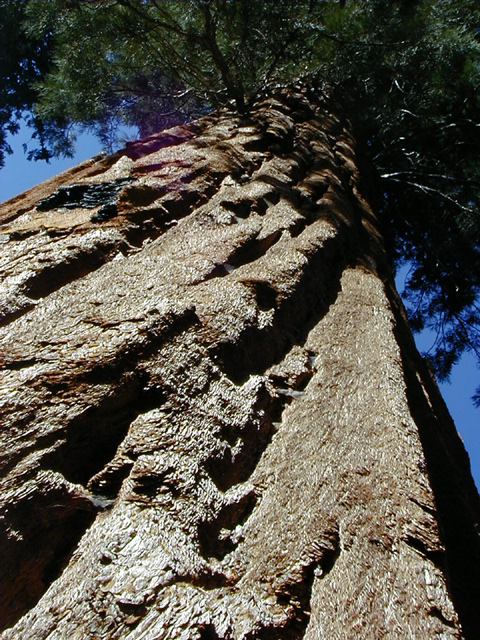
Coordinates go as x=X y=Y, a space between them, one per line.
x=215 y=421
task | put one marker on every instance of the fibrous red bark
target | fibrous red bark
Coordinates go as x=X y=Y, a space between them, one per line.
x=215 y=421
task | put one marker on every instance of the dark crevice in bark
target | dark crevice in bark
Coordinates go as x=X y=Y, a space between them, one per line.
x=282 y=187
x=216 y=536
x=48 y=525
x=206 y=578
x=9 y=316
x=258 y=349
x=181 y=203
x=236 y=464
x=257 y=145
x=296 y=592
x=289 y=387
x=246 y=253
x=208 y=632
x=108 y=481
x=243 y=207
x=17 y=365
x=265 y=295
x=152 y=484
x=90 y=440
x=310 y=194
x=436 y=613
x=435 y=555
x=425 y=507
x=299 y=110
x=270 y=142
x=71 y=534
x=53 y=277
x=133 y=394
x=131 y=612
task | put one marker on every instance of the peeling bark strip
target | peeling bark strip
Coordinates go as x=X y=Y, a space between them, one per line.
x=215 y=422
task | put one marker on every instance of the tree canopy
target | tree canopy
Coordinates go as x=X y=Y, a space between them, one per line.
x=23 y=61
x=407 y=73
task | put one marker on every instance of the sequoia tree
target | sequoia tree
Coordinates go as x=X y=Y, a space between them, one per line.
x=215 y=420
x=407 y=73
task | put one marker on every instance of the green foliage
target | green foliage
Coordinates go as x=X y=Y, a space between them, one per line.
x=23 y=60
x=414 y=92
x=124 y=60
x=407 y=73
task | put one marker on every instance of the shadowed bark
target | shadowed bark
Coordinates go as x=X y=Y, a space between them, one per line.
x=215 y=421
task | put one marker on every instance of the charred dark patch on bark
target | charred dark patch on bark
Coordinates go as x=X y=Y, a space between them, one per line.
x=86 y=196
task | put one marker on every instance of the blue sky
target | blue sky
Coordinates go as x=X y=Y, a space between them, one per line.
x=20 y=174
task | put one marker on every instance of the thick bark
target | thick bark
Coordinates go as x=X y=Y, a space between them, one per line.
x=215 y=421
